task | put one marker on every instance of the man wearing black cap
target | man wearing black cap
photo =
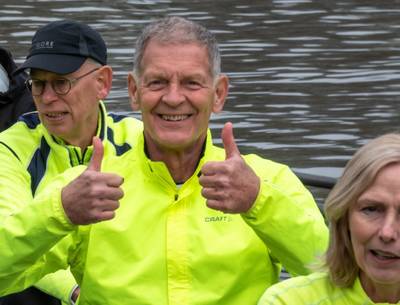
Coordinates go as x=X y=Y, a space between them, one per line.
x=69 y=78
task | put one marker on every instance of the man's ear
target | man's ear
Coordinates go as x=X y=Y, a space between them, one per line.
x=132 y=90
x=104 y=81
x=221 y=92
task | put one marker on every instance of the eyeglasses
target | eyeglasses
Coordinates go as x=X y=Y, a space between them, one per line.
x=61 y=86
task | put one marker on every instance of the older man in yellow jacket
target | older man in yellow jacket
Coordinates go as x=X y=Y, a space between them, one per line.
x=69 y=78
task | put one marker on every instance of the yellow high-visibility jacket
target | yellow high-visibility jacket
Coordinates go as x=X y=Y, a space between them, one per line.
x=30 y=158
x=165 y=246
x=316 y=288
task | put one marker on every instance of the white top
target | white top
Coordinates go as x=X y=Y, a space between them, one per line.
x=4 y=81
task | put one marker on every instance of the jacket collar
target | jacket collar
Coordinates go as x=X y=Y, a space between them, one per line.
x=77 y=156
x=160 y=169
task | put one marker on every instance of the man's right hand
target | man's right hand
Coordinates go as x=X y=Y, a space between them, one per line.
x=93 y=196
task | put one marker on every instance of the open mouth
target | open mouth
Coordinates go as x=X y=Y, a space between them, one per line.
x=383 y=255
x=175 y=117
x=55 y=115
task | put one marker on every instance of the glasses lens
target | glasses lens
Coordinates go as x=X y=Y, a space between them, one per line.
x=61 y=85
x=36 y=86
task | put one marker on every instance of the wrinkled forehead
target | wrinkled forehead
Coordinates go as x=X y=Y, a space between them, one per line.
x=177 y=44
x=164 y=52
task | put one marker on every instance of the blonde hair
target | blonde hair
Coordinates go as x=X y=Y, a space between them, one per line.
x=358 y=175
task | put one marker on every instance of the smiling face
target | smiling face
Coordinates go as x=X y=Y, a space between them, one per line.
x=73 y=117
x=374 y=223
x=176 y=94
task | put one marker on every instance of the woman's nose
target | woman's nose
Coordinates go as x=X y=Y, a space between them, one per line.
x=390 y=228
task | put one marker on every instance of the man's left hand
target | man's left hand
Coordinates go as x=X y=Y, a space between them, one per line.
x=230 y=186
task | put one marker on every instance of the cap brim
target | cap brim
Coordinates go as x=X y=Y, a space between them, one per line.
x=56 y=63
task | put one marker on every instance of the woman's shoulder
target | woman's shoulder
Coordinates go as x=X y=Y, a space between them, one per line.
x=315 y=288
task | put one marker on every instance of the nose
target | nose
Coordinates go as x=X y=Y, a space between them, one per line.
x=173 y=95
x=48 y=94
x=389 y=231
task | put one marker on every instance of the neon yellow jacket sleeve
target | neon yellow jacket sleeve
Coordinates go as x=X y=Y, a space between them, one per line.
x=15 y=193
x=59 y=284
x=286 y=217
x=27 y=236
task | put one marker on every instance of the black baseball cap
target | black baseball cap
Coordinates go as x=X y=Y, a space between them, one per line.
x=62 y=46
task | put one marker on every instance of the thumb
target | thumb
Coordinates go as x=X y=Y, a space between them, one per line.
x=229 y=141
x=97 y=155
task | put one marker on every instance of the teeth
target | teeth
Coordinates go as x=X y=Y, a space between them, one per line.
x=54 y=114
x=179 y=117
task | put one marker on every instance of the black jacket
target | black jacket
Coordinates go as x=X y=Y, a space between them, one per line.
x=18 y=99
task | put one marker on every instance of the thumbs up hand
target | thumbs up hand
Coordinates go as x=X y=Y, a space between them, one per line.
x=231 y=185
x=93 y=196
x=97 y=155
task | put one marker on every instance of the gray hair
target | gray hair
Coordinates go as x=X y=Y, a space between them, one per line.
x=358 y=175
x=177 y=30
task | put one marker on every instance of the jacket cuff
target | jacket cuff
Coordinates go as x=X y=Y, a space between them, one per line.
x=258 y=203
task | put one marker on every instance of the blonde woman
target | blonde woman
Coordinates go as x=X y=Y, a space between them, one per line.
x=362 y=262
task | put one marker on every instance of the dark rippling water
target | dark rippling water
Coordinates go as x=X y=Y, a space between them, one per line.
x=311 y=81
